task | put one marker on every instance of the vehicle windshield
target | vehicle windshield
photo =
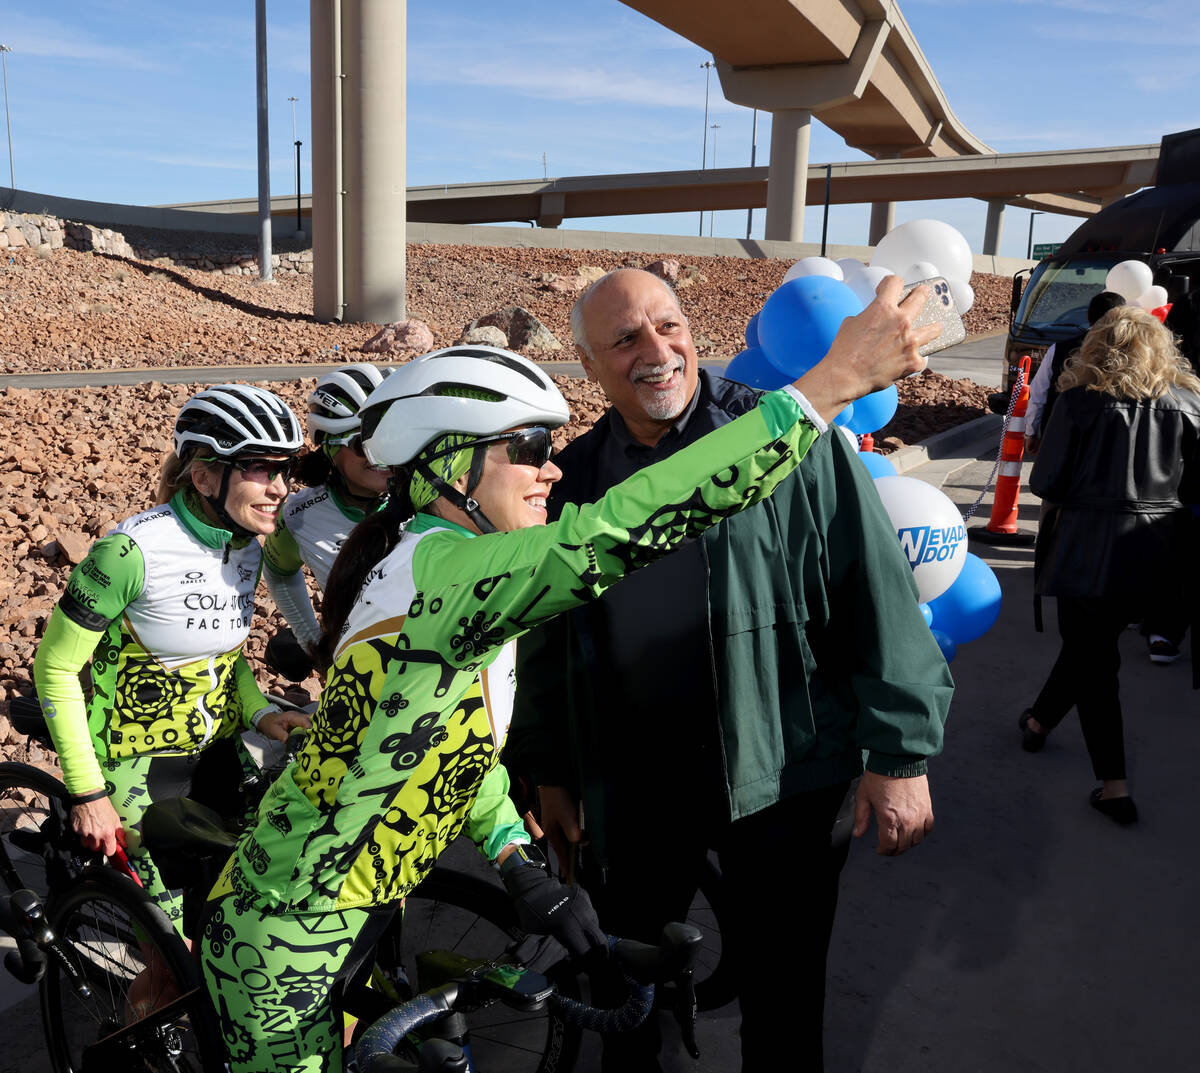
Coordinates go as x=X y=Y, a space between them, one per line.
x=1056 y=299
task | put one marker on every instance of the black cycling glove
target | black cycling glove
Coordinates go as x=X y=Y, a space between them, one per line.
x=546 y=906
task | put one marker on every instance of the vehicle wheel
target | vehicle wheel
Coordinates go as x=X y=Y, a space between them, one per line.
x=123 y=948
x=469 y=916
x=37 y=847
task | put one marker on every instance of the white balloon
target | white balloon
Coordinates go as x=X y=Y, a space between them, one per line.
x=851 y=438
x=914 y=273
x=1153 y=298
x=930 y=529
x=849 y=265
x=863 y=283
x=925 y=240
x=813 y=266
x=1129 y=279
x=962 y=293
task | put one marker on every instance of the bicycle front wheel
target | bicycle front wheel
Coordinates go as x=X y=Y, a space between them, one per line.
x=130 y=986
x=469 y=916
x=37 y=846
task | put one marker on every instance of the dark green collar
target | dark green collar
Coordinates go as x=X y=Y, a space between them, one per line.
x=353 y=513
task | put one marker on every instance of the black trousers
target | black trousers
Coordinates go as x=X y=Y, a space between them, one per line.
x=1085 y=676
x=780 y=870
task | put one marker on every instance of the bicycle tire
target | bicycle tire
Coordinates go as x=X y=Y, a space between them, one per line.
x=465 y=914
x=121 y=943
x=36 y=843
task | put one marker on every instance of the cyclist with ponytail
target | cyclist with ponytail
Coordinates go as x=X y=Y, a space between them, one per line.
x=421 y=611
x=343 y=489
x=161 y=607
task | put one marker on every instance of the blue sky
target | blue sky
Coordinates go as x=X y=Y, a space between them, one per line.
x=141 y=102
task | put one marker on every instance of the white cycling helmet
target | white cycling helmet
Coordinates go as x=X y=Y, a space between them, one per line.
x=477 y=390
x=236 y=419
x=335 y=402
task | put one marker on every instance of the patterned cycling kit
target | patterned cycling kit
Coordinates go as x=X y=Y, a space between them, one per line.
x=161 y=606
x=404 y=747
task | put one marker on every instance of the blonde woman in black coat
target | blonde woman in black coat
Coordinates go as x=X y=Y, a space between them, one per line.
x=1119 y=460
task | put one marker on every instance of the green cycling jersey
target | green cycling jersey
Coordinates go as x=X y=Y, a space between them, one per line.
x=161 y=606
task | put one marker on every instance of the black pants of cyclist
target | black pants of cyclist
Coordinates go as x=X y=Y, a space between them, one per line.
x=776 y=928
x=1085 y=676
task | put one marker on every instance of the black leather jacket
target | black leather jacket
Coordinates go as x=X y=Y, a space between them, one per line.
x=1118 y=479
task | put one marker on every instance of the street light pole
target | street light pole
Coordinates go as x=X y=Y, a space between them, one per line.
x=299 y=224
x=707 y=65
x=12 y=181
x=264 y=144
x=714 y=128
x=1029 y=244
x=753 y=153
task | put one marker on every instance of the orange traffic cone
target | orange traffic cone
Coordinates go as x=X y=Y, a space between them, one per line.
x=1002 y=527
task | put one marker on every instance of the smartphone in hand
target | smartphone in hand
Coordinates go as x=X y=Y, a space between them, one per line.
x=939 y=308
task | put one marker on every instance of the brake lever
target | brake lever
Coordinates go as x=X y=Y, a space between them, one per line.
x=685 y=1010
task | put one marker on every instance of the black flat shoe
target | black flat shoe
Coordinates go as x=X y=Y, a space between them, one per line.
x=1120 y=810
x=1031 y=740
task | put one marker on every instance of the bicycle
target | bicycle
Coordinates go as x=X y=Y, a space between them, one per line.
x=85 y=948
x=88 y=924
x=94 y=929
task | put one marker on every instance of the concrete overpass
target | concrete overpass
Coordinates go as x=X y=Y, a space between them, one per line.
x=1074 y=182
x=853 y=64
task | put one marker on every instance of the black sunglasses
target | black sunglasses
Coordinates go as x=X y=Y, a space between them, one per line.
x=526 y=447
x=264 y=470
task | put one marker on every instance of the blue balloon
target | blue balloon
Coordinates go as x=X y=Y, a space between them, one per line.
x=751 y=368
x=877 y=466
x=843 y=416
x=873 y=411
x=752 y=331
x=799 y=320
x=926 y=614
x=947 y=645
x=970 y=607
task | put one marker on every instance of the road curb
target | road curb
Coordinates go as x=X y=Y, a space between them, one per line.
x=960 y=444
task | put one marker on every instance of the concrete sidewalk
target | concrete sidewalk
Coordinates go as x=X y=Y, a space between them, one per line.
x=1029 y=933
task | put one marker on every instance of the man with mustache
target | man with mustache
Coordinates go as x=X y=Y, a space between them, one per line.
x=724 y=697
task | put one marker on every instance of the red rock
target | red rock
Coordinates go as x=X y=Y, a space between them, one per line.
x=667 y=269
x=73 y=545
x=404 y=337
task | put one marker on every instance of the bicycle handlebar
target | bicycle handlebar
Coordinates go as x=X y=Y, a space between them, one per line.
x=675 y=956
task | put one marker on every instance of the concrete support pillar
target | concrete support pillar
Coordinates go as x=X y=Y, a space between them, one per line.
x=325 y=50
x=550 y=210
x=787 y=179
x=359 y=97
x=373 y=139
x=883 y=219
x=994 y=228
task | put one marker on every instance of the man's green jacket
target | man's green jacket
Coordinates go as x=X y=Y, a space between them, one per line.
x=821 y=658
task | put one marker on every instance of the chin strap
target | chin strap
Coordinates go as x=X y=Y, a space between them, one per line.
x=217 y=503
x=466 y=503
